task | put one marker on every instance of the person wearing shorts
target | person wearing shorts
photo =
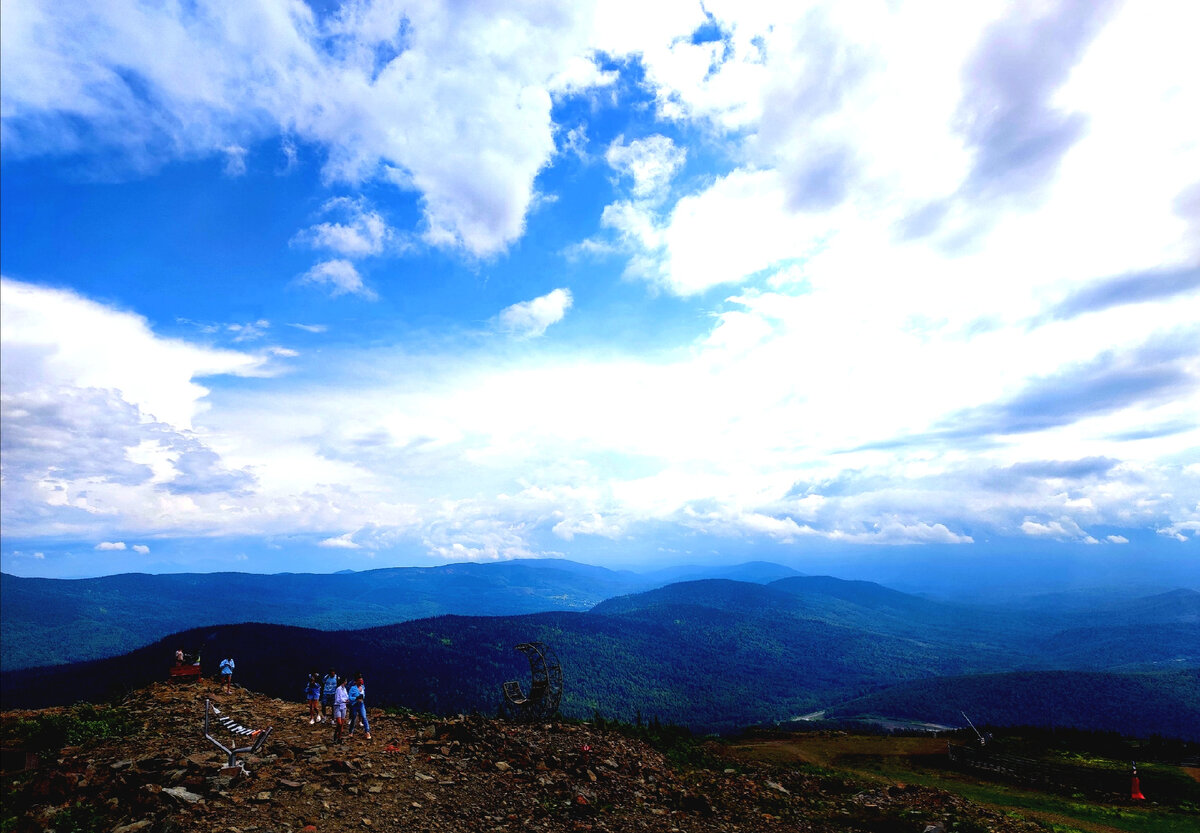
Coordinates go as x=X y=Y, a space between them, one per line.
x=312 y=693
x=340 y=701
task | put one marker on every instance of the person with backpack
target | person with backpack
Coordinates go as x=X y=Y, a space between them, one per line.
x=227 y=666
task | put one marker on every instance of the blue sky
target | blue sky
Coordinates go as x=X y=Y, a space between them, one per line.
x=321 y=286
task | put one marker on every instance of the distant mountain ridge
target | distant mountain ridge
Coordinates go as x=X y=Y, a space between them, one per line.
x=713 y=654
x=60 y=621
x=983 y=637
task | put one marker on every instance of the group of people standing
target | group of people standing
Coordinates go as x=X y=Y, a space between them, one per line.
x=345 y=697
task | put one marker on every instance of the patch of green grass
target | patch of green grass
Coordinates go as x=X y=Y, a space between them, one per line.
x=1148 y=819
x=74 y=726
x=80 y=818
x=678 y=745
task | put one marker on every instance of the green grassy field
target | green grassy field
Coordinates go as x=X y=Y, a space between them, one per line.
x=923 y=761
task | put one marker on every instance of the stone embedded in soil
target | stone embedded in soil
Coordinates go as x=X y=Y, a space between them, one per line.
x=183 y=794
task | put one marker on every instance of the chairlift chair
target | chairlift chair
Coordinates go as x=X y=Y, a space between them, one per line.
x=545 y=686
x=256 y=737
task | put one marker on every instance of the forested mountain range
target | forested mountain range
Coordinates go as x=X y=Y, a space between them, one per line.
x=57 y=621
x=711 y=654
x=1161 y=631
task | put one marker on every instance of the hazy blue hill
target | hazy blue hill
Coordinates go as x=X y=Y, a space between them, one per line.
x=47 y=621
x=452 y=663
x=711 y=654
x=716 y=593
x=60 y=621
x=866 y=594
x=759 y=572
x=976 y=638
x=50 y=621
x=874 y=607
x=727 y=662
x=1174 y=607
x=693 y=665
x=1125 y=647
x=1160 y=631
x=1166 y=703
x=829 y=642
x=1114 y=600
x=971 y=637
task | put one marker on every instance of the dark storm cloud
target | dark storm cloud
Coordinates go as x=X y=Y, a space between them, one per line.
x=820 y=176
x=1063 y=469
x=1153 y=373
x=1010 y=478
x=820 y=183
x=1127 y=289
x=81 y=434
x=76 y=433
x=923 y=221
x=1008 y=118
x=846 y=483
x=1187 y=208
x=1150 y=432
x=1007 y=113
x=200 y=471
x=1156 y=372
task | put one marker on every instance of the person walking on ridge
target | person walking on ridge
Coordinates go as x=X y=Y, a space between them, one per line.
x=227 y=666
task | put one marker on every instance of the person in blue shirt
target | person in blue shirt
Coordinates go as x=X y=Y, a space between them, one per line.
x=358 y=704
x=312 y=693
x=227 y=674
x=328 y=686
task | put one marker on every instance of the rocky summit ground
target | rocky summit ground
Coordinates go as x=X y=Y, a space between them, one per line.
x=155 y=772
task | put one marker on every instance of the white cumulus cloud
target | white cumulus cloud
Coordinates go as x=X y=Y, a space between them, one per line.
x=341 y=542
x=340 y=277
x=360 y=232
x=451 y=102
x=529 y=319
x=651 y=163
x=55 y=338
